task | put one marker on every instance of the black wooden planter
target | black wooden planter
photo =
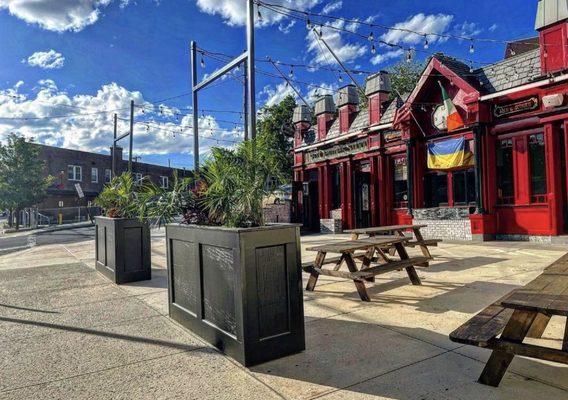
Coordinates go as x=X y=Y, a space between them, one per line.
x=123 y=249
x=239 y=289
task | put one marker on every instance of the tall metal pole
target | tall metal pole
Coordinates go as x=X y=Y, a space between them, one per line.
x=130 y=145
x=245 y=102
x=251 y=71
x=113 y=174
x=195 y=106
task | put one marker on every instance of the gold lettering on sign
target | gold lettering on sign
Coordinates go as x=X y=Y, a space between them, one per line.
x=516 y=107
x=338 y=151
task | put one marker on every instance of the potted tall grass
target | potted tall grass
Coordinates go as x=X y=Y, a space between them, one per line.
x=234 y=280
x=122 y=237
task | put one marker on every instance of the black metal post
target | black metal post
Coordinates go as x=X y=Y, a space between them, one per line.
x=478 y=159
x=245 y=102
x=410 y=173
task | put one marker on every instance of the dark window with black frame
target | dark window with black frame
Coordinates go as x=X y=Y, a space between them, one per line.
x=400 y=172
x=537 y=160
x=505 y=182
x=335 y=187
x=436 y=189
x=464 y=187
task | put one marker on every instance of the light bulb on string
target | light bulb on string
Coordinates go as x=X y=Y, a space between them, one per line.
x=409 y=56
x=291 y=74
x=426 y=43
x=472 y=48
x=373 y=49
x=321 y=32
x=309 y=24
x=371 y=37
x=340 y=78
x=258 y=14
x=202 y=63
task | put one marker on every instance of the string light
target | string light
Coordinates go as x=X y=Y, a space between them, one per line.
x=340 y=78
x=202 y=62
x=291 y=74
x=373 y=49
x=409 y=56
x=371 y=37
x=309 y=25
x=426 y=44
x=472 y=48
x=258 y=14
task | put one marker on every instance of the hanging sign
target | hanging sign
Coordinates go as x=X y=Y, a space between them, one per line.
x=337 y=151
x=79 y=190
x=530 y=104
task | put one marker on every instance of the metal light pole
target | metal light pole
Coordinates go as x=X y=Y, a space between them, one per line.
x=195 y=106
x=251 y=98
x=131 y=136
x=249 y=104
x=113 y=174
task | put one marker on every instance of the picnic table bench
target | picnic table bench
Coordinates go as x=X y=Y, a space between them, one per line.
x=524 y=312
x=398 y=231
x=367 y=249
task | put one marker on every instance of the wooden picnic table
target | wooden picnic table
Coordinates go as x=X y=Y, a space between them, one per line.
x=367 y=249
x=398 y=231
x=524 y=312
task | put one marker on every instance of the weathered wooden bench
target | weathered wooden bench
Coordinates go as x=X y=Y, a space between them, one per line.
x=503 y=326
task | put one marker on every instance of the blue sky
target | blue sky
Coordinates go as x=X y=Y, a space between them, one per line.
x=59 y=58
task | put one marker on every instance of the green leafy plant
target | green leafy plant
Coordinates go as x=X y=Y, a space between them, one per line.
x=120 y=198
x=164 y=205
x=236 y=183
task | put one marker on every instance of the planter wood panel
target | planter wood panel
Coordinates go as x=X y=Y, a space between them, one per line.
x=239 y=289
x=123 y=249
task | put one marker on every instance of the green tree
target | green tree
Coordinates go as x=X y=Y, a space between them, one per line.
x=404 y=77
x=271 y=128
x=22 y=180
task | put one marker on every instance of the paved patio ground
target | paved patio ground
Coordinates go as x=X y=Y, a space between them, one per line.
x=67 y=333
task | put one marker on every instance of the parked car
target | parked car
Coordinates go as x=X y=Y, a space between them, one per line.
x=282 y=195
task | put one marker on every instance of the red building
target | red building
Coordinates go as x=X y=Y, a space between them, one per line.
x=369 y=166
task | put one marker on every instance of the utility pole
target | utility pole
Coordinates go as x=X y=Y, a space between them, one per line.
x=131 y=136
x=195 y=106
x=251 y=71
x=113 y=170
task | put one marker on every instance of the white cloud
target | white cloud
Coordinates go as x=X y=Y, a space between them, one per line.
x=92 y=131
x=331 y=7
x=46 y=60
x=389 y=55
x=275 y=95
x=58 y=15
x=233 y=12
x=435 y=24
x=347 y=52
x=467 y=29
x=286 y=28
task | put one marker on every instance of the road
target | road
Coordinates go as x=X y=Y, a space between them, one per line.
x=45 y=238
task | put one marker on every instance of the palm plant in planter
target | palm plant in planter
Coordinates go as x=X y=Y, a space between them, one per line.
x=122 y=238
x=233 y=280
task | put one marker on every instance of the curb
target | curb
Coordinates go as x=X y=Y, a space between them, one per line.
x=48 y=229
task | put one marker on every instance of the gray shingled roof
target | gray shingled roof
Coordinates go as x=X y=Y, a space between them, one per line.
x=390 y=112
x=509 y=73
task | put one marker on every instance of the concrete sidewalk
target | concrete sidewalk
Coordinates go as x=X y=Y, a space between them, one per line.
x=67 y=333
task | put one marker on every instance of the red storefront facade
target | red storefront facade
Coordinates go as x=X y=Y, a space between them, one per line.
x=367 y=166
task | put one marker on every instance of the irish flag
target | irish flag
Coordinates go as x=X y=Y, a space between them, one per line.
x=453 y=118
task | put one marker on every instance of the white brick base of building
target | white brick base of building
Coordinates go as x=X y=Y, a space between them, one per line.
x=446 y=229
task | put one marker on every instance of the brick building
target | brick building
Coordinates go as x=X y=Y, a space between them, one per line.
x=91 y=171
x=377 y=165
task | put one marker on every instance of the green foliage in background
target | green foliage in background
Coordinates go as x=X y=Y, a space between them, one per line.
x=22 y=180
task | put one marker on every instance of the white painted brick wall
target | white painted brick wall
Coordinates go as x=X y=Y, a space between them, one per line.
x=451 y=229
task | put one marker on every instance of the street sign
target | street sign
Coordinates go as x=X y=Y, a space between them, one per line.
x=79 y=190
